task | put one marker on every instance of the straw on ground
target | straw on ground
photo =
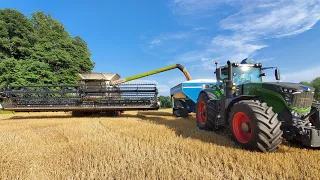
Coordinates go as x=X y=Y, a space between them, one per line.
x=136 y=145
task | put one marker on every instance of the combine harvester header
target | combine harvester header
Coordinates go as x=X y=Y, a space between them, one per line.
x=93 y=92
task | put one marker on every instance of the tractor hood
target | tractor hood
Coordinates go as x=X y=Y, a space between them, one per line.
x=290 y=87
x=298 y=97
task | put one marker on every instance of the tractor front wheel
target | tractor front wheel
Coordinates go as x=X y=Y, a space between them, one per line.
x=253 y=125
x=205 y=112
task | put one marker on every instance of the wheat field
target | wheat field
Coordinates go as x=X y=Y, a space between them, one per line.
x=136 y=145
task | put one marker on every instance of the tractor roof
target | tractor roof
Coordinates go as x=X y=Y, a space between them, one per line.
x=99 y=76
x=241 y=65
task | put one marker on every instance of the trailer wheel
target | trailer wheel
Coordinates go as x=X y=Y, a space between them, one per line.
x=206 y=112
x=180 y=109
x=253 y=125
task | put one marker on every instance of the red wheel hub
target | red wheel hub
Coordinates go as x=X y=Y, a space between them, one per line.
x=202 y=112
x=241 y=127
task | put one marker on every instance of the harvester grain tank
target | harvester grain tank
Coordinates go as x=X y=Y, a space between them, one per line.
x=93 y=92
x=258 y=113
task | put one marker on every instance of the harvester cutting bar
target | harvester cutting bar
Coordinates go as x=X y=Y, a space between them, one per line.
x=80 y=97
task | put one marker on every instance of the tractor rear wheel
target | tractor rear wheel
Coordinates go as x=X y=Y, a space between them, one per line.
x=205 y=111
x=253 y=125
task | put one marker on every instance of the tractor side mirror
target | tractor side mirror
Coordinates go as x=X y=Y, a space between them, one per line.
x=218 y=74
x=262 y=74
x=277 y=74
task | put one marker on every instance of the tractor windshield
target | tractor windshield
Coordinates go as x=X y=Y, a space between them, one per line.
x=243 y=74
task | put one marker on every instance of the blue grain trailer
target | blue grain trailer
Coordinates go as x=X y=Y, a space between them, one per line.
x=184 y=95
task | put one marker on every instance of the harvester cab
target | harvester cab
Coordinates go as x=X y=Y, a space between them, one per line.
x=258 y=113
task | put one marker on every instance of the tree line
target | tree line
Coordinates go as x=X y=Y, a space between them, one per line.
x=316 y=84
x=38 y=50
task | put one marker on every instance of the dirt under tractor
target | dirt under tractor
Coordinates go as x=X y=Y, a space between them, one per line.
x=257 y=114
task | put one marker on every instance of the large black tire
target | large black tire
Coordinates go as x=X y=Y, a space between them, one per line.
x=181 y=109
x=254 y=126
x=206 y=111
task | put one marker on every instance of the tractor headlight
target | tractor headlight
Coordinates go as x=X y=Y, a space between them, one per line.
x=287 y=90
x=288 y=99
x=288 y=95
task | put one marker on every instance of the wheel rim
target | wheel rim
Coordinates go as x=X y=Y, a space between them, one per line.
x=202 y=111
x=238 y=122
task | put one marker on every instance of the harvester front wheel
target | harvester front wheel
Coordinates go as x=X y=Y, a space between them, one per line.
x=253 y=125
x=205 y=112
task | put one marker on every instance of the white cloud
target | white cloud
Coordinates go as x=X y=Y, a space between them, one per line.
x=222 y=48
x=303 y=75
x=167 y=37
x=155 y=41
x=275 y=19
x=264 y=60
x=249 y=27
x=190 y=7
x=199 y=29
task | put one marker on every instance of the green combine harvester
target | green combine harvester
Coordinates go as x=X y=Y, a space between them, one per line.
x=257 y=114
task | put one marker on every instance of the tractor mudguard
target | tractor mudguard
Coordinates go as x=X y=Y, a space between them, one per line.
x=206 y=91
x=232 y=101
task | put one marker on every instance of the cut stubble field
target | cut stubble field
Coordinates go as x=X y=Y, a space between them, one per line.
x=136 y=145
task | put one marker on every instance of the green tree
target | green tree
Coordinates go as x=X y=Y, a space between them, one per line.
x=39 y=50
x=16 y=35
x=316 y=84
x=65 y=55
x=165 y=102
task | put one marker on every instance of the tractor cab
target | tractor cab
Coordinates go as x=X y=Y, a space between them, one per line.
x=244 y=72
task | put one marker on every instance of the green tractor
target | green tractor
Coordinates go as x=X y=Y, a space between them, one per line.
x=257 y=114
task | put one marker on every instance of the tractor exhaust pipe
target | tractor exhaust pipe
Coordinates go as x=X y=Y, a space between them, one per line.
x=229 y=83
